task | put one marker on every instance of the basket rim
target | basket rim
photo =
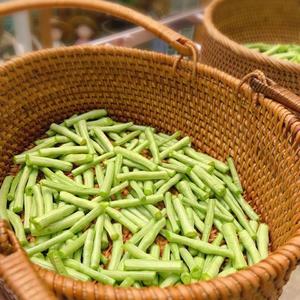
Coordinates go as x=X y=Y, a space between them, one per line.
x=284 y=257
x=238 y=48
x=184 y=69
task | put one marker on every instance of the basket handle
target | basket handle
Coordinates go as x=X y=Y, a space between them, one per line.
x=261 y=84
x=174 y=39
x=16 y=270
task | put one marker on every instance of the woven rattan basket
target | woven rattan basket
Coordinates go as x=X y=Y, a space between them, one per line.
x=231 y=23
x=223 y=117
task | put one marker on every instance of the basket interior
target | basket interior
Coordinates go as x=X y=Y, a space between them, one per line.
x=272 y=21
x=140 y=86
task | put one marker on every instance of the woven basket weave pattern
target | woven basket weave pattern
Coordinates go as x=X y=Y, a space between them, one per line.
x=140 y=86
x=231 y=23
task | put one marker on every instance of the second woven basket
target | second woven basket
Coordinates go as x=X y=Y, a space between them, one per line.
x=231 y=23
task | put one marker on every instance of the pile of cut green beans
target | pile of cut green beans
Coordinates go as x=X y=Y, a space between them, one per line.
x=124 y=205
x=289 y=52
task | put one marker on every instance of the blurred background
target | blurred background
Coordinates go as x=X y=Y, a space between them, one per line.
x=33 y=30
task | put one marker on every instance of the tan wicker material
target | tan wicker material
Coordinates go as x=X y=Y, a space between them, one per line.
x=231 y=23
x=222 y=116
x=17 y=272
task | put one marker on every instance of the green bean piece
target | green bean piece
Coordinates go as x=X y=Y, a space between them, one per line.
x=63 y=150
x=151 y=235
x=135 y=275
x=198 y=222
x=138 y=214
x=228 y=181
x=239 y=214
x=110 y=229
x=124 y=203
x=198 y=266
x=234 y=174
x=20 y=190
x=4 y=190
x=187 y=258
x=103 y=139
x=201 y=194
x=166 y=255
x=71 y=272
x=153 y=265
x=143 y=145
x=171 y=212
x=143 y=175
x=247 y=208
x=79 y=202
x=68 y=133
x=104 y=240
x=96 y=161
x=60 y=238
x=83 y=131
x=169 y=138
x=118 y=217
x=169 y=281
x=214 y=267
x=136 y=220
x=73 y=189
x=118 y=167
x=88 y=247
x=208 y=220
x=13 y=186
x=136 y=252
x=98 y=276
x=52 y=216
x=170 y=183
x=108 y=179
x=78 y=159
x=152 y=145
x=117 y=127
x=197 y=244
x=254 y=225
x=96 y=253
x=97 y=147
x=91 y=115
x=88 y=218
x=113 y=191
x=27 y=212
x=17 y=225
x=217 y=188
x=70 y=248
x=59 y=225
x=38 y=199
x=127 y=282
x=57 y=262
x=48 y=199
x=99 y=174
x=78 y=255
x=148 y=187
x=140 y=234
x=263 y=240
x=137 y=158
x=117 y=249
x=233 y=244
x=250 y=246
x=191 y=162
x=196 y=180
x=216 y=242
x=31 y=181
x=128 y=137
x=177 y=146
x=88 y=178
x=48 y=162
x=187 y=228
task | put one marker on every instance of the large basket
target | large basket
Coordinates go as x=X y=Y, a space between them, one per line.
x=222 y=117
x=231 y=23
